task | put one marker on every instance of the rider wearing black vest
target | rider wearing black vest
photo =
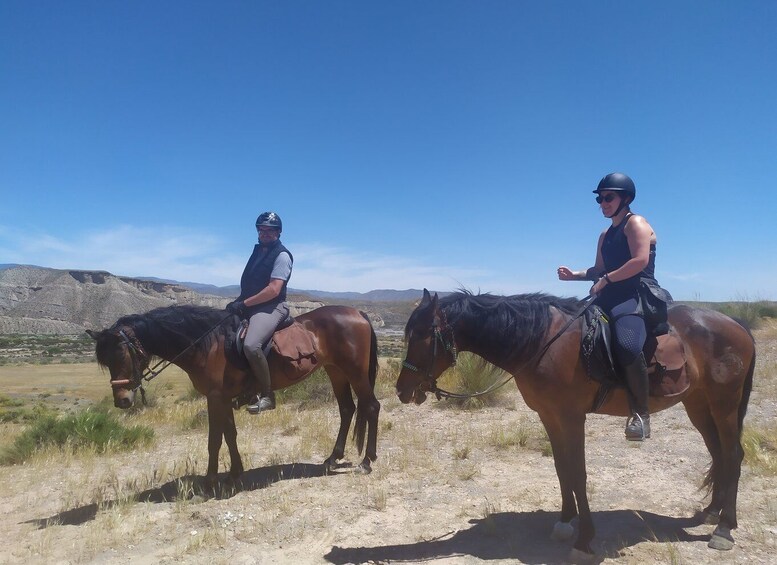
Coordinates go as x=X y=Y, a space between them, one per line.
x=256 y=275
x=263 y=301
x=625 y=283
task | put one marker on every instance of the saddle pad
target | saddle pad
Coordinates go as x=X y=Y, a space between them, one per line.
x=666 y=367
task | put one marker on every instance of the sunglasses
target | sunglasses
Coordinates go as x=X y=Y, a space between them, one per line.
x=608 y=198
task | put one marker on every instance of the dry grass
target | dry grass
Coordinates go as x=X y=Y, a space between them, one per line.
x=438 y=471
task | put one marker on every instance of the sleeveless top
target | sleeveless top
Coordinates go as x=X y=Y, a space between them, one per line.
x=615 y=253
x=256 y=274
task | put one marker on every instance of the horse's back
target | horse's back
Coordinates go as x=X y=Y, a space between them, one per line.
x=715 y=340
x=706 y=323
x=329 y=315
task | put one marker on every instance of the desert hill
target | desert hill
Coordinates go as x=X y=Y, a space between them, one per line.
x=38 y=300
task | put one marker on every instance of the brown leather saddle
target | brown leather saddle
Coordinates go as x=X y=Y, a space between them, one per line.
x=665 y=356
x=294 y=346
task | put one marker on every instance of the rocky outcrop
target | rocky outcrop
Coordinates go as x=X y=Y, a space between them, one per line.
x=36 y=300
x=43 y=299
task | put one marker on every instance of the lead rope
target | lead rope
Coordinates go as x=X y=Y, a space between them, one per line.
x=440 y=393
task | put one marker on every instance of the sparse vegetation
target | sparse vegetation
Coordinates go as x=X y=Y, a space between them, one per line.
x=472 y=375
x=88 y=429
x=752 y=312
x=16 y=410
x=44 y=349
x=760 y=445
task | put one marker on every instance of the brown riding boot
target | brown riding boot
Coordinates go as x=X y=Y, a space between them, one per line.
x=638 y=427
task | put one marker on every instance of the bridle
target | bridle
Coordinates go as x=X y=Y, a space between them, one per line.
x=429 y=384
x=135 y=350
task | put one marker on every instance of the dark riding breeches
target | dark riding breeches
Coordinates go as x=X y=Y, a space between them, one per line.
x=629 y=329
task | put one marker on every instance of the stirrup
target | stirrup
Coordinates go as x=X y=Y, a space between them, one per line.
x=637 y=427
x=262 y=403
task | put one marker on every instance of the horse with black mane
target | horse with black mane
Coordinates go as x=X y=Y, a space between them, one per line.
x=201 y=341
x=537 y=339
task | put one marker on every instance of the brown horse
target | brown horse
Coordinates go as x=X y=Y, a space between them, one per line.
x=513 y=333
x=200 y=340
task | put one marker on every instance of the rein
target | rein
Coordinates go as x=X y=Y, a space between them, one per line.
x=151 y=373
x=441 y=393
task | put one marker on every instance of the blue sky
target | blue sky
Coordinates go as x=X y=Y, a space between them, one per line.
x=404 y=144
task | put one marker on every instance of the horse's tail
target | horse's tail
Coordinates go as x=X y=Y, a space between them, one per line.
x=747 y=386
x=360 y=428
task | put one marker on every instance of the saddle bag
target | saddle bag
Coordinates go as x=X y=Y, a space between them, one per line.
x=654 y=301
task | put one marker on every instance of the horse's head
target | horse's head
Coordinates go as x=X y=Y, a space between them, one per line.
x=430 y=350
x=119 y=350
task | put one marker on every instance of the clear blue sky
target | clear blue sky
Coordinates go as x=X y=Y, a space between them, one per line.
x=405 y=144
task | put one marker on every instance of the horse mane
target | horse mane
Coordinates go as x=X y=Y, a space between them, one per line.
x=506 y=327
x=171 y=329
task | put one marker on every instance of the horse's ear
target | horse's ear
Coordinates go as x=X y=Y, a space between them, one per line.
x=434 y=301
x=427 y=298
x=93 y=334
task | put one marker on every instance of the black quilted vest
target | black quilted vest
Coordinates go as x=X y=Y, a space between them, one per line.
x=256 y=274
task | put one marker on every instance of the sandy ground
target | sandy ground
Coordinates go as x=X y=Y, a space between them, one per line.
x=447 y=488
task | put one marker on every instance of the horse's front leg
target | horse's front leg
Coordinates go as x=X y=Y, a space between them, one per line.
x=567 y=437
x=216 y=421
x=230 y=436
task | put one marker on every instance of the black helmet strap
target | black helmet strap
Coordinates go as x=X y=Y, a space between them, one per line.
x=623 y=204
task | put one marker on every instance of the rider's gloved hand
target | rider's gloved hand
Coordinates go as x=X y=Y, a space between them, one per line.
x=236 y=307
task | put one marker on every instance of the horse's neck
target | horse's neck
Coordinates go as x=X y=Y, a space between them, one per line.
x=468 y=337
x=163 y=349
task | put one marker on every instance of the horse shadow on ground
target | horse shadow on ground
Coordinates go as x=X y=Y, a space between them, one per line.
x=525 y=536
x=193 y=487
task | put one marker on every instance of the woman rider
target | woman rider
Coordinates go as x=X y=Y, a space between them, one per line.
x=624 y=279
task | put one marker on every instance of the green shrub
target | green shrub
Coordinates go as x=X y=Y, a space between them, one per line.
x=760 y=445
x=315 y=390
x=472 y=375
x=751 y=312
x=89 y=429
x=13 y=410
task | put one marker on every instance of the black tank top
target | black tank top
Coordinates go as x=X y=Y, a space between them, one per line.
x=615 y=253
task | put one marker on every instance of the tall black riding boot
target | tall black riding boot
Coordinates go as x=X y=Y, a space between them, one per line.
x=638 y=427
x=261 y=370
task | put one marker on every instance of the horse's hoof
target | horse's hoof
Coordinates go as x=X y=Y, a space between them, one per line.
x=363 y=469
x=721 y=539
x=581 y=557
x=562 y=531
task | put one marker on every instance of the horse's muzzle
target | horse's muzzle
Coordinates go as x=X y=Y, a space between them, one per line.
x=416 y=396
x=122 y=402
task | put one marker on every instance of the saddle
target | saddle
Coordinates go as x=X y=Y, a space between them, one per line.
x=292 y=344
x=665 y=356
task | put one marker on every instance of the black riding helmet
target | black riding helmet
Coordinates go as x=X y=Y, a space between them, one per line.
x=619 y=183
x=270 y=219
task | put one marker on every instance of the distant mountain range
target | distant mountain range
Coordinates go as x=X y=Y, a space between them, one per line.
x=380 y=295
x=231 y=291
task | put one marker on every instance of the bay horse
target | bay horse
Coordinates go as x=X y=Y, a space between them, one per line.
x=513 y=333
x=201 y=341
